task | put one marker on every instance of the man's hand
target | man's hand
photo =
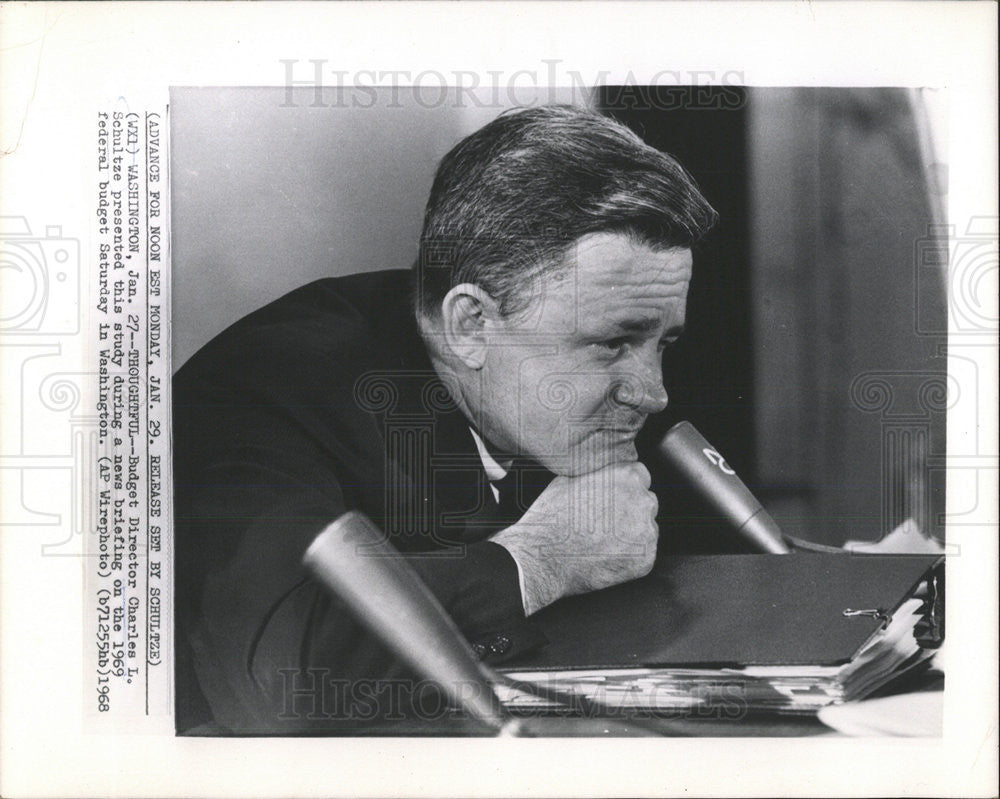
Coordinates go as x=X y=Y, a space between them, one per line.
x=585 y=533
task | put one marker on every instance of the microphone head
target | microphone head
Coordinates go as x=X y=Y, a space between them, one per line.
x=353 y=558
x=698 y=462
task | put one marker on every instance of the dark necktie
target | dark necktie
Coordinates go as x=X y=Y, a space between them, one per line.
x=519 y=488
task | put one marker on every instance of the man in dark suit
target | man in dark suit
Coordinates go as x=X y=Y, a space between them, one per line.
x=481 y=409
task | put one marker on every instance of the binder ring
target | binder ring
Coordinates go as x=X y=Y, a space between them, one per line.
x=875 y=613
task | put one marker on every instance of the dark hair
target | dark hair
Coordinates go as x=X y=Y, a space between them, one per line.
x=508 y=201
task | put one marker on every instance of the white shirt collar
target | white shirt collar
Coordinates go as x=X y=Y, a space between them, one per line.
x=494 y=470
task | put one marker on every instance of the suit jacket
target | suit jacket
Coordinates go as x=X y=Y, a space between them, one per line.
x=321 y=402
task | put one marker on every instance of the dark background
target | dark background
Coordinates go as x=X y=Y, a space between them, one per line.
x=709 y=373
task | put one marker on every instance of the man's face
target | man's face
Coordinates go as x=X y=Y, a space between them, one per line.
x=570 y=380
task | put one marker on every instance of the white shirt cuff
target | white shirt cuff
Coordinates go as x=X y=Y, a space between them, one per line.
x=520 y=583
x=520 y=579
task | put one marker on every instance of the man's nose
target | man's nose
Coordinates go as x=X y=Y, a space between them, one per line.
x=642 y=390
x=655 y=397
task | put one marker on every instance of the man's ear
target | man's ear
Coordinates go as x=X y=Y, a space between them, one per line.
x=465 y=313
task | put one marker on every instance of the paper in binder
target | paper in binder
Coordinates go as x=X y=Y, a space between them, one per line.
x=752 y=633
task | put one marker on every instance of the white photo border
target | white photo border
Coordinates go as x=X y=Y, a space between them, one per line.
x=60 y=62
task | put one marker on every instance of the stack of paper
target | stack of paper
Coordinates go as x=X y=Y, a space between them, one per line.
x=768 y=681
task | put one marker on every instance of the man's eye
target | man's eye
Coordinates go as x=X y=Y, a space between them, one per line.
x=614 y=346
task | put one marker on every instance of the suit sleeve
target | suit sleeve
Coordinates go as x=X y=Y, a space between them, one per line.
x=260 y=470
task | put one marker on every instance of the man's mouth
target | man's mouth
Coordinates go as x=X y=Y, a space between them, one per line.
x=622 y=432
x=630 y=425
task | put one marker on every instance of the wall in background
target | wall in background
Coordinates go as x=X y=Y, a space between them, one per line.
x=271 y=190
x=850 y=326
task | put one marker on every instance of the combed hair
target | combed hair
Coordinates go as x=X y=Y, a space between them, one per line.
x=509 y=201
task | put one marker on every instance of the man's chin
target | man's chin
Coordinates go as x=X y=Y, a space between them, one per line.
x=585 y=460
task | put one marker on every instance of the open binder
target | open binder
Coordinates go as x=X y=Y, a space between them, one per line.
x=740 y=633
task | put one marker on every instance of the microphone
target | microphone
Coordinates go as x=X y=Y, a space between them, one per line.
x=353 y=559
x=687 y=451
